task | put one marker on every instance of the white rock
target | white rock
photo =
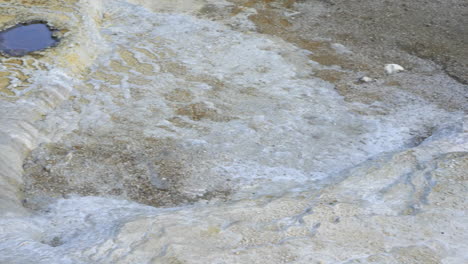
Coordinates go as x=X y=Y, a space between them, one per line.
x=366 y=79
x=393 y=68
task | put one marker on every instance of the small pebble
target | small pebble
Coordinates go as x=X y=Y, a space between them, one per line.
x=365 y=79
x=393 y=68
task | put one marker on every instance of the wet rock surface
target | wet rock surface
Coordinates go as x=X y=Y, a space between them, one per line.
x=233 y=132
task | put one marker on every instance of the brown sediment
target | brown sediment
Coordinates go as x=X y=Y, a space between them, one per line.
x=150 y=171
x=378 y=32
x=332 y=76
x=4 y=83
x=133 y=63
x=179 y=95
x=199 y=111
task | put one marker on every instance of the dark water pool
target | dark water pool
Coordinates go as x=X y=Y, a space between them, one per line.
x=25 y=38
